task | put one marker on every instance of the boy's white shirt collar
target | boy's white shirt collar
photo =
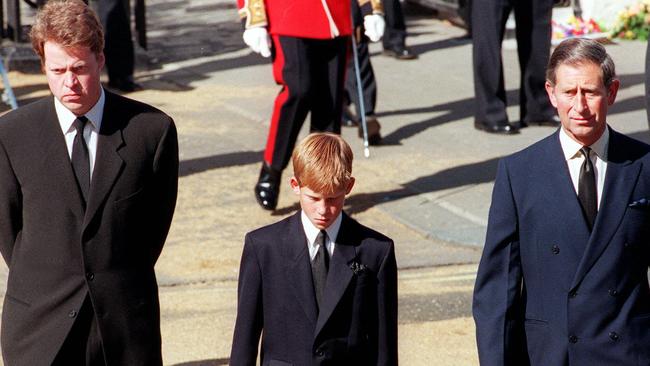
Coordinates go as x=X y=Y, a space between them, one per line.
x=312 y=232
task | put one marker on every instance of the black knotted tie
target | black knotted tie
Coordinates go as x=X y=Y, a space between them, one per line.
x=320 y=266
x=587 y=188
x=80 y=158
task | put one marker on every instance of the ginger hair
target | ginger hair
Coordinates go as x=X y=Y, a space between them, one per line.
x=323 y=162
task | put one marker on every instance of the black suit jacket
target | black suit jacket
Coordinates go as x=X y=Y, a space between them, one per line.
x=548 y=291
x=58 y=254
x=357 y=324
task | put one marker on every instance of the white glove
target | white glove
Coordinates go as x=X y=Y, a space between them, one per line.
x=258 y=40
x=374 y=26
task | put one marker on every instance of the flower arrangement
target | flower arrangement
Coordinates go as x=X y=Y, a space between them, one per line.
x=633 y=22
x=575 y=27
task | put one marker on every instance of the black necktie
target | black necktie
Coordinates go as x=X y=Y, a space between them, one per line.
x=80 y=158
x=587 y=189
x=320 y=266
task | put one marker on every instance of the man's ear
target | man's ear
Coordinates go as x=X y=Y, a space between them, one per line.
x=295 y=185
x=350 y=185
x=550 y=89
x=612 y=90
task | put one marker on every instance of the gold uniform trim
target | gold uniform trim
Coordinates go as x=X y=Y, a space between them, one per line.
x=255 y=13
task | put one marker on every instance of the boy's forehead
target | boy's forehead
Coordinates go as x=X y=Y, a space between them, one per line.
x=306 y=190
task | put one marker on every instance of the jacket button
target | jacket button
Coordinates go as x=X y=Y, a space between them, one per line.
x=613 y=293
x=573 y=339
x=90 y=276
x=72 y=313
x=573 y=293
x=614 y=336
x=555 y=249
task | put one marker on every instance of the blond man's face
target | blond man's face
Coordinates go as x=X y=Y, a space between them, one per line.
x=321 y=209
x=73 y=75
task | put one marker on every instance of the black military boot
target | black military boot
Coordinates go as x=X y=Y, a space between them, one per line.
x=267 y=188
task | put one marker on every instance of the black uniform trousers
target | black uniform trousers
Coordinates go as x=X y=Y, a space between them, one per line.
x=368 y=83
x=533 y=18
x=395 y=32
x=83 y=345
x=118 y=47
x=312 y=75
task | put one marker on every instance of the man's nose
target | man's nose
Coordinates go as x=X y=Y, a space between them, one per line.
x=70 y=79
x=579 y=102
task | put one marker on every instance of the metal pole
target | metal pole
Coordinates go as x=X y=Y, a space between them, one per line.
x=362 y=108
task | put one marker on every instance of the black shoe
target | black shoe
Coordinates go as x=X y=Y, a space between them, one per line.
x=553 y=121
x=125 y=85
x=504 y=129
x=267 y=188
x=348 y=118
x=400 y=53
x=374 y=136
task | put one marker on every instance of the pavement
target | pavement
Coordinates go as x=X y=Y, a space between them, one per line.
x=428 y=186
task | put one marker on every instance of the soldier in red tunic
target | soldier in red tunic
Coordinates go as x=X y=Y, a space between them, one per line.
x=308 y=41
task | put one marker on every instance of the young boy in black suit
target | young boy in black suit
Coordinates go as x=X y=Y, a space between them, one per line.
x=320 y=288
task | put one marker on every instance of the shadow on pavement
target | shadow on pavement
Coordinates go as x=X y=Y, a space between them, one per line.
x=198 y=165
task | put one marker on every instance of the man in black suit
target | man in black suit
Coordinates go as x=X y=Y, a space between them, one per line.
x=88 y=184
x=319 y=287
x=563 y=279
x=533 y=18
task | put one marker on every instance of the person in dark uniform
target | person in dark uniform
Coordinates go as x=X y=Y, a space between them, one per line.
x=368 y=85
x=119 y=52
x=533 y=18
x=394 y=40
x=309 y=50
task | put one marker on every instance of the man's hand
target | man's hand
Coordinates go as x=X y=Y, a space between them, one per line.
x=374 y=25
x=258 y=40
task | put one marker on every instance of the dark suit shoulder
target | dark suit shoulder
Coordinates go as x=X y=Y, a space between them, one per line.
x=274 y=230
x=533 y=152
x=362 y=232
x=134 y=112
x=26 y=119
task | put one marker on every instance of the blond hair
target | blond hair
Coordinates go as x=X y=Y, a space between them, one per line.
x=69 y=23
x=323 y=162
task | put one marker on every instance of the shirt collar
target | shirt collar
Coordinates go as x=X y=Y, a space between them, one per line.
x=571 y=147
x=94 y=115
x=312 y=232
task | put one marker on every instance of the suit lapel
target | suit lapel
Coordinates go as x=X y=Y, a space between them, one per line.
x=620 y=180
x=57 y=168
x=108 y=162
x=298 y=272
x=339 y=274
x=557 y=188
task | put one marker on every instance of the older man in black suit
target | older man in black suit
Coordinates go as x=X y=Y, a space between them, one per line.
x=88 y=185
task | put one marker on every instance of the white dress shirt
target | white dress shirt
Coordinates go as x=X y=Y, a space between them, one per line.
x=91 y=130
x=574 y=159
x=312 y=232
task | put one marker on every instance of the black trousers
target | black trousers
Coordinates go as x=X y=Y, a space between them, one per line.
x=312 y=74
x=368 y=83
x=395 y=33
x=533 y=18
x=118 y=48
x=83 y=345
